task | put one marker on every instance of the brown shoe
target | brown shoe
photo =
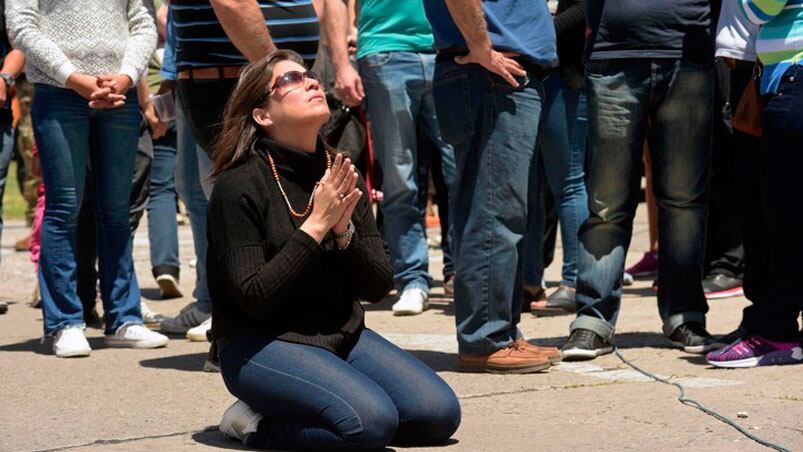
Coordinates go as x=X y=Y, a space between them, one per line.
x=552 y=353
x=512 y=359
x=22 y=244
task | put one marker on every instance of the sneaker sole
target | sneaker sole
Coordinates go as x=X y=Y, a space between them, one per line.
x=409 y=312
x=737 y=292
x=74 y=353
x=698 y=349
x=577 y=354
x=195 y=337
x=736 y=364
x=136 y=344
x=484 y=368
x=168 y=286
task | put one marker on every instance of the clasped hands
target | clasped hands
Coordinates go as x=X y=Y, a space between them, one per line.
x=103 y=91
x=336 y=196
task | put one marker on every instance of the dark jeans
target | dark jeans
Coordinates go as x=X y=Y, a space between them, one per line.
x=493 y=129
x=203 y=102
x=68 y=134
x=86 y=249
x=6 y=151
x=162 y=226
x=782 y=160
x=724 y=247
x=312 y=399
x=670 y=103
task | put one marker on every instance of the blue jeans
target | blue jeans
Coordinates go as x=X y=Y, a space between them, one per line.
x=192 y=168
x=68 y=133
x=6 y=151
x=563 y=151
x=670 y=103
x=162 y=227
x=398 y=93
x=493 y=129
x=312 y=399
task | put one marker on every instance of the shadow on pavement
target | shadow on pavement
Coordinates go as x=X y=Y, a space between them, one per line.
x=151 y=293
x=640 y=339
x=36 y=346
x=437 y=361
x=193 y=362
x=696 y=359
x=212 y=437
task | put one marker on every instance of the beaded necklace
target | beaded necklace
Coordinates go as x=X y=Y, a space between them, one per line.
x=308 y=209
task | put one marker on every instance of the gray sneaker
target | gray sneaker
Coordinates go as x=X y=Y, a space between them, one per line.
x=189 y=317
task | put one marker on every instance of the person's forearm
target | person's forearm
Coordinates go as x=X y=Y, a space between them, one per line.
x=143 y=92
x=336 y=28
x=13 y=63
x=470 y=19
x=244 y=24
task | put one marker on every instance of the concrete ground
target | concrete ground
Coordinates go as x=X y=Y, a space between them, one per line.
x=160 y=400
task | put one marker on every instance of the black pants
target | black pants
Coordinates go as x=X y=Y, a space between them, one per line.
x=782 y=190
x=724 y=250
x=203 y=102
x=86 y=246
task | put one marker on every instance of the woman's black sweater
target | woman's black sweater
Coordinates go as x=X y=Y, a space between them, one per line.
x=270 y=279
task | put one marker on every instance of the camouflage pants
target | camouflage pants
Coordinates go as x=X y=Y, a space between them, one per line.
x=29 y=178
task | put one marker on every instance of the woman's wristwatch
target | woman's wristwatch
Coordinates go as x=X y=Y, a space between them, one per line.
x=345 y=235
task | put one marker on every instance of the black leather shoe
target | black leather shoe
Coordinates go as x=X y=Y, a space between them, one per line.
x=585 y=344
x=722 y=286
x=692 y=337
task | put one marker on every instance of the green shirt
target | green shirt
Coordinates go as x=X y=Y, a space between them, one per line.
x=392 y=25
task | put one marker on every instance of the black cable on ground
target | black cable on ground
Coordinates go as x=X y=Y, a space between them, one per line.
x=695 y=404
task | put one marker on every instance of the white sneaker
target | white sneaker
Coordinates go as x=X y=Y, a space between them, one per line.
x=411 y=302
x=134 y=335
x=239 y=420
x=70 y=341
x=151 y=318
x=198 y=334
x=189 y=317
x=627 y=279
x=168 y=286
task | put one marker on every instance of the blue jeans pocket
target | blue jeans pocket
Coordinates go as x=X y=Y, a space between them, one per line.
x=453 y=106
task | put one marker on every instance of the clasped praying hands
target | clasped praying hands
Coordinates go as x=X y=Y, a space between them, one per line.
x=103 y=91
x=336 y=196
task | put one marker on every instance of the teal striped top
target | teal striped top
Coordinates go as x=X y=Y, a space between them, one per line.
x=780 y=40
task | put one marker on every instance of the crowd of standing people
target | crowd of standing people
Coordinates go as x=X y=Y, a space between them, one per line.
x=279 y=124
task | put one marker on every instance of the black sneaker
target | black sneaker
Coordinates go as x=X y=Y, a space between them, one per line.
x=722 y=286
x=3 y=307
x=692 y=337
x=735 y=335
x=585 y=344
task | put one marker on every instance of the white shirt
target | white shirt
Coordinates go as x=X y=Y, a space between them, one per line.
x=736 y=36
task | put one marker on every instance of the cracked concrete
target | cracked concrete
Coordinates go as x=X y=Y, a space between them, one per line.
x=159 y=400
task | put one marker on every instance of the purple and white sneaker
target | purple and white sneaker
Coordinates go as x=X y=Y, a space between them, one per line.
x=754 y=351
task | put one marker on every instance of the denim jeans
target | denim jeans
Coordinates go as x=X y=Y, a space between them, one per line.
x=670 y=103
x=781 y=300
x=192 y=167
x=398 y=93
x=162 y=226
x=493 y=129
x=68 y=133
x=563 y=150
x=312 y=399
x=6 y=151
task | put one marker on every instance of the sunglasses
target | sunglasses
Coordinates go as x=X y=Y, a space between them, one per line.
x=293 y=80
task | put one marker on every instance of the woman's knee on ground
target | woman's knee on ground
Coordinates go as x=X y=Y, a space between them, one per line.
x=435 y=419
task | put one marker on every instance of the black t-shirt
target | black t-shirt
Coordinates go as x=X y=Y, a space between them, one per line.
x=650 y=29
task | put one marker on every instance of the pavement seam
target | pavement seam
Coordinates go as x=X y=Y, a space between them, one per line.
x=107 y=442
x=541 y=389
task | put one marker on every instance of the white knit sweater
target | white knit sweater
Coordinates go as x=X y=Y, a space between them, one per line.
x=94 y=37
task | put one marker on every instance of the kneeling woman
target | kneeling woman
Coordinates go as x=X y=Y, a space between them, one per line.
x=293 y=246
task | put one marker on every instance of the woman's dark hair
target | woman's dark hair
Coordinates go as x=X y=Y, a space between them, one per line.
x=239 y=131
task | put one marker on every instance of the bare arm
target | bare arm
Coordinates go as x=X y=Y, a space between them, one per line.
x=470 y=19
x=244 y=24
x=336 y=27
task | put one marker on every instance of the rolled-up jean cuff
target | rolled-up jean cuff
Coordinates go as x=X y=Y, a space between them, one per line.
x=674 y=321
x=599 y=326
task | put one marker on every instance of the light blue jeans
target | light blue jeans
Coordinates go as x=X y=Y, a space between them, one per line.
x=493 y=128
x=192 y=168
x=6 y=151
x=398 y=93
x=563 y=151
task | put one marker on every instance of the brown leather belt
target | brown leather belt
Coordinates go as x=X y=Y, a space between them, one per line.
x=210 y=73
